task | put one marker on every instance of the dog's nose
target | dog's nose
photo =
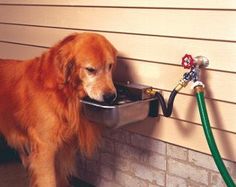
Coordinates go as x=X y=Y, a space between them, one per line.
x=109 y=97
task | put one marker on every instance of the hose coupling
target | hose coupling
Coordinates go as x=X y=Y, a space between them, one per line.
x=151 y=91
x=198 y=84
x=199 y=88
x=182 y=83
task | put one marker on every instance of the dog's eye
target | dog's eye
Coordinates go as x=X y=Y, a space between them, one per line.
x=91 y=70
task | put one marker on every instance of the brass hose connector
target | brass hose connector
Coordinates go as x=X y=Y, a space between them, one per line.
x=199 y=89
x=151 y=91
x=182 y=83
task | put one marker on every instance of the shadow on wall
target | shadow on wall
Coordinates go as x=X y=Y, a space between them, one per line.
x=123 y=71
x=123 y=153
x=216 y=115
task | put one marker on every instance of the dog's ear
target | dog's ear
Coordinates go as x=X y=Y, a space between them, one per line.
x=64 y=58
x=65 y=67
x=68 y=70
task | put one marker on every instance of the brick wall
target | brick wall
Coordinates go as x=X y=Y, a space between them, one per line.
x=130 y=160
x=127 y=159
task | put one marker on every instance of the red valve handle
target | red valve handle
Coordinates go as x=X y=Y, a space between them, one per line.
x=187 y=61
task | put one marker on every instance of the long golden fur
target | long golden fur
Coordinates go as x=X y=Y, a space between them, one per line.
x=40 y=112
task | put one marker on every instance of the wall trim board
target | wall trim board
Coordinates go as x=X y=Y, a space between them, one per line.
x=210 y=4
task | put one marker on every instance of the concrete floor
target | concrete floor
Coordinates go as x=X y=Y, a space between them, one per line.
x=12 y=174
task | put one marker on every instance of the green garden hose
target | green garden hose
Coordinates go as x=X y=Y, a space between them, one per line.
x=210 y=138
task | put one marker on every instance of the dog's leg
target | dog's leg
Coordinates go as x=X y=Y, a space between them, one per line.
x=66 y=166
x=41 y=167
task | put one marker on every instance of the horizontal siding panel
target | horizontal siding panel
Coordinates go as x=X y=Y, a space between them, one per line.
x=180 y=23
x=227 y=4
x=218 y=84
x=185 y=134
x=221 y=114
x=151 y=48
x=11 y=51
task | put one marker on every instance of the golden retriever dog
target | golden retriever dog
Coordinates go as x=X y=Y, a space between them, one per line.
x=40 y=110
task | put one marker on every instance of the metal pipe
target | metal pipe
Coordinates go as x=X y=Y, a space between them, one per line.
x=199 y=90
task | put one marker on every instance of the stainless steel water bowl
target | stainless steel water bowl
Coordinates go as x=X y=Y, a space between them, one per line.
x=130 y=106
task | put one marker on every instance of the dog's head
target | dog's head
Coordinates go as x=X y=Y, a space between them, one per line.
x=85 y=62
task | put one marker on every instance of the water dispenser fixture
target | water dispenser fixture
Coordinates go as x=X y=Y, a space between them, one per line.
x=133 y=104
